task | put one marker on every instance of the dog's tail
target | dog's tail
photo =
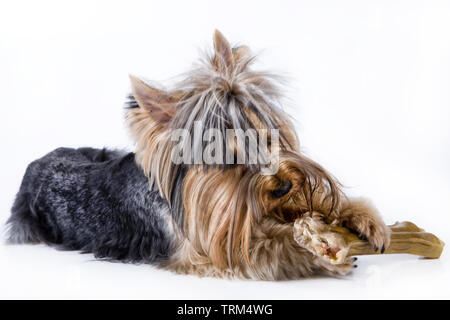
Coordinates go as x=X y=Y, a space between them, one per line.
x=23 y=226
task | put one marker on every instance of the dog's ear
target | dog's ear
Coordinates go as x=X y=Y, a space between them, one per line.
x=240 y=52
x=223 y=53
x=160 y=104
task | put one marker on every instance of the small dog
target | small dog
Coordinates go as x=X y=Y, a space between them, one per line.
x=221 y=217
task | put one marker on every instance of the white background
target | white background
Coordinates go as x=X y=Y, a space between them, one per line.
x=369 y=90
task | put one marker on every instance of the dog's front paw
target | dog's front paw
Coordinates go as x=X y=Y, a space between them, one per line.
x=376 y=232
x=362 y=217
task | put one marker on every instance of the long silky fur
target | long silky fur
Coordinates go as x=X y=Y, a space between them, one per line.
x=220 y=96
x=225 y=206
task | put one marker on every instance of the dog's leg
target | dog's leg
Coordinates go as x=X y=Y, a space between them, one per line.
x=276 y=256
x=361 y=216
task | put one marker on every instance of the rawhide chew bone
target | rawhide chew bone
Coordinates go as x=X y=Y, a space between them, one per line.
x=334 y=243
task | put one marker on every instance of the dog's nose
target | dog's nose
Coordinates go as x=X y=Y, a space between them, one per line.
x=284 y=188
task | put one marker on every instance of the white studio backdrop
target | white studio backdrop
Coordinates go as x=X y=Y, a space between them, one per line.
x=369 y=89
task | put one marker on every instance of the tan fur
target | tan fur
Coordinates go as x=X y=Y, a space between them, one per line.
x=234 y=224
x=360 y=215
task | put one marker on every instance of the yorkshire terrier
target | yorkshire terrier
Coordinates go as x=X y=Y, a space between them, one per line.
x=224 y=216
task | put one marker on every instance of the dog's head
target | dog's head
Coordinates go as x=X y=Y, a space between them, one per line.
x=221 y=150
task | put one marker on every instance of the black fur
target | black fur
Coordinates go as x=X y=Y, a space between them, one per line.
x=93 y=200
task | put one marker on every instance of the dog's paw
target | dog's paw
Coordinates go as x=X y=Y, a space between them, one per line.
x=376 y=232
x=361 y=217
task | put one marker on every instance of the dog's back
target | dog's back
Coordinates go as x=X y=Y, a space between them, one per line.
x=94 y=200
